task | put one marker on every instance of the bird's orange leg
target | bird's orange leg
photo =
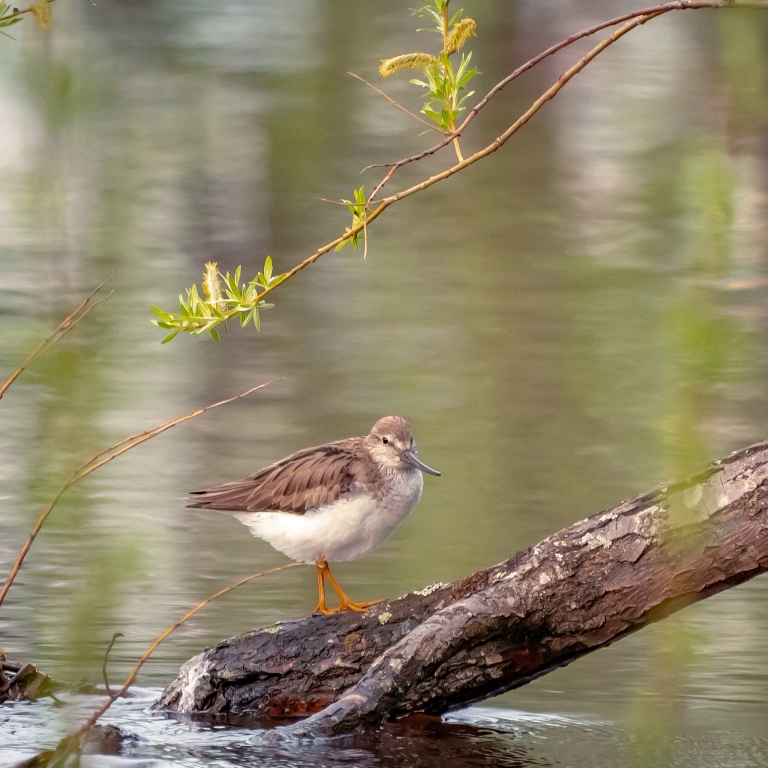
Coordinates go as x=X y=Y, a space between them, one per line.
x=321 y=607
x=345 y=603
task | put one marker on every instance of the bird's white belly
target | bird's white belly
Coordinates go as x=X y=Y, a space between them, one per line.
x=344 y=530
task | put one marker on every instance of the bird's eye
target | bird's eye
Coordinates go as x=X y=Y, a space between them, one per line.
x=385 y=440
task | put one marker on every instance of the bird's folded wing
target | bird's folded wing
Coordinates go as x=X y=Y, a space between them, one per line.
x=305 y=480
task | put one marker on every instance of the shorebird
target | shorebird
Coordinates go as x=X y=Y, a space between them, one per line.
x=333 y=502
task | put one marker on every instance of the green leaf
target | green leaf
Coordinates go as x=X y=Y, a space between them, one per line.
x=214 y=334
x=162 y=315
x=170 y=337
x=232 y=284
x=245 y=318
x=268 y=268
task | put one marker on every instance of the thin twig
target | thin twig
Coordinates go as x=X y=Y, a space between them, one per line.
x=106 y=658
x=380 y=185
x=66 y=325
x=457 y=147
x=549 y=94
x=398 y=105
x=100 y=459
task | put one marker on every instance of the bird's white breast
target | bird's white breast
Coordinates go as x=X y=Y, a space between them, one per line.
x=344 y=530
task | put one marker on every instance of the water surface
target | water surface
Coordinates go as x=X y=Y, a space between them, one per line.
x=566 y=324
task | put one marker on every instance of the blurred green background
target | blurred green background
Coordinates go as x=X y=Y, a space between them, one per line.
x=566 y=324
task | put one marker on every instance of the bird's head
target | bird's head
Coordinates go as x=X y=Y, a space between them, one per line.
x=391 y=444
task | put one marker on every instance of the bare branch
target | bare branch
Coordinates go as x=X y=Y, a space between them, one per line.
x=66 y=325
x=99 y=460
x=106 y=658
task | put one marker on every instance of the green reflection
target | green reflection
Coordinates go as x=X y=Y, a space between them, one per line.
x=565 y=325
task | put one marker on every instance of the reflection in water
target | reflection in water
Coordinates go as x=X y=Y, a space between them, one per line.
x=417 y=742
x=566 y=324
x=478 y=736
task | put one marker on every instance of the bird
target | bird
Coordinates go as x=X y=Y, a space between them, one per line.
x=332 y=502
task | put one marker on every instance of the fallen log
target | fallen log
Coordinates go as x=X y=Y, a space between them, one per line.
x=448 y=646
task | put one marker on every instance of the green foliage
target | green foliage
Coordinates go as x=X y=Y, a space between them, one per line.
x=446 y=87
x=7 y=17
x=358 y=209
x=446 y=90
x=436 y=14
x=223 y=296
x=222 y=301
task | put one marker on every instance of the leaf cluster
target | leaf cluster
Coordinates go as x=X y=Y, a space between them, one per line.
x=446 y=90
x=358 y=208
x=225 y=297
x=446 y=86
x=7 y=16
x=437 y=12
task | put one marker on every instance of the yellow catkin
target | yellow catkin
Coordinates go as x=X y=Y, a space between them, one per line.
x=459 y=35
x=41 y=10
x=406 y=61
x=211 y=283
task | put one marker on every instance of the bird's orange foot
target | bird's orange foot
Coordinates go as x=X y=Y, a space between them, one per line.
x=324 y=609
x=351 y=605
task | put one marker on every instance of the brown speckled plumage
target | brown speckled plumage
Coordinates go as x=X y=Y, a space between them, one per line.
x=307 y=479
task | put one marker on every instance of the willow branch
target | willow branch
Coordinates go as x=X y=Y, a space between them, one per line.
x=678 y=5
x=550 y=93
x=66 y=325
x=635 y=19
x=99 y=460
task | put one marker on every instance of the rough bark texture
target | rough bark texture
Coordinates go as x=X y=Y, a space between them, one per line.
x=450 y=645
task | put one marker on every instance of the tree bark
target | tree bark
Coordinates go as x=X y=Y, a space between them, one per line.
x=448 y=646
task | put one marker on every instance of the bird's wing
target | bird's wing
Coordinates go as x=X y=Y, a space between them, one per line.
x=307 y=479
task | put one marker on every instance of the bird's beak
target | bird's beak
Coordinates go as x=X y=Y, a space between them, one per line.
x=410 y=458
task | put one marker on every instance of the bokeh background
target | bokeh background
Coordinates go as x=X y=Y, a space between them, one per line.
x=566 y=324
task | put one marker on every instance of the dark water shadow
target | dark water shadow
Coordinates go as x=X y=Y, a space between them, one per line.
x=415 y=742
